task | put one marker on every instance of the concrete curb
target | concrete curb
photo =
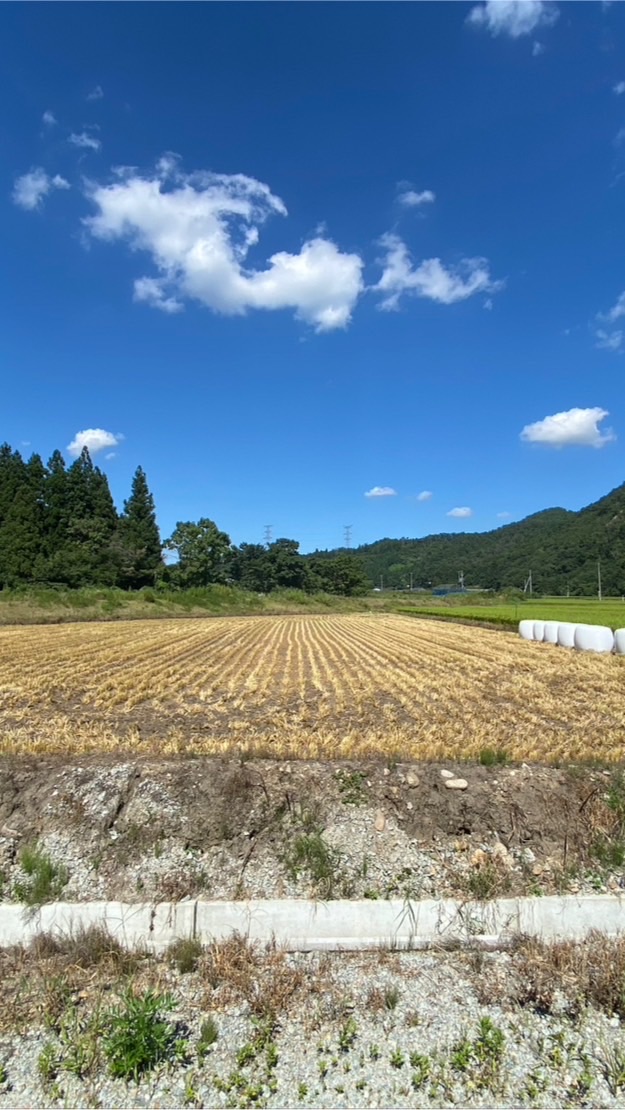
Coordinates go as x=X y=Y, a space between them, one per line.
x=301 y=925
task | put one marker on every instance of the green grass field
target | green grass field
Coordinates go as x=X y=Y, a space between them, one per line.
x=610 y=612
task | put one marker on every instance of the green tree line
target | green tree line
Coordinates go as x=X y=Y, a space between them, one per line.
x=59 y=526
x=562 y=549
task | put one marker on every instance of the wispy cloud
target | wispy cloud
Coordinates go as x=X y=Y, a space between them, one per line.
x=381 y=491
x=513 y=18
x=430 y=279
x=461 y=513
x=30 y=189
x=49 y=119
x=412 y=199
x=94 y=439
x=607 y=337
x=95 y=94
x=573 y=428
x=152 y=291
x=425 y=495
x=84 y=140
x=619 y=88
x=609 y=340
x=504 y=516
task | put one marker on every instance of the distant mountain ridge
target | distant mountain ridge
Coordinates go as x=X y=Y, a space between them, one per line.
x=559 y=547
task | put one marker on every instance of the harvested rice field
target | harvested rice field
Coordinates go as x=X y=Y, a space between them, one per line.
x=335 y=686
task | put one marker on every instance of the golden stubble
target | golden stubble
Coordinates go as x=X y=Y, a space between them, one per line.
x=335 y=686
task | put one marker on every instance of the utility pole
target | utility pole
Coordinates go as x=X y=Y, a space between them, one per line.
x=347 y=531
x=268 y=534
x=461 y=580
x=599 y=579
x=410 y=581
x=527 y=588
x=381 y=582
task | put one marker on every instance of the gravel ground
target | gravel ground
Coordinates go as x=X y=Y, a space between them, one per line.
x=170 y=830
x=349 y=1041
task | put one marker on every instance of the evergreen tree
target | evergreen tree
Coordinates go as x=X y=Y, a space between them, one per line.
x=87 y=557
x=138 y=542
x=12 y=475
x=21 y=531
x=55 y=537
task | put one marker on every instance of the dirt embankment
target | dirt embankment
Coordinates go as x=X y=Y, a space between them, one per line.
x=219 y=828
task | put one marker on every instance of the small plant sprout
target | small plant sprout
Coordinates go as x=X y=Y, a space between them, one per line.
x=347 y=1035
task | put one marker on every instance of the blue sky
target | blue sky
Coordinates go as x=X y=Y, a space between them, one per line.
x=287 y=255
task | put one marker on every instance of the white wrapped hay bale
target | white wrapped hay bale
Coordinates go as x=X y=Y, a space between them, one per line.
x=550 y=632
x=539 y=630
x=526 y=630
x=566 y=634
x=619 y=641
x=594 y=637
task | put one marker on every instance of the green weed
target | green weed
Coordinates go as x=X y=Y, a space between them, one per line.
x=44 y=878
x=138 y=1035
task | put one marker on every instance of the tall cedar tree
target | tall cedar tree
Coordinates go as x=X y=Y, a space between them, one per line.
x=138 y=542
x=87 y=556
x=55 y=520
x=21 y=532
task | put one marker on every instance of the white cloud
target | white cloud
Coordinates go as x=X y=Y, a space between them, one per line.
x=617 y=310
x=30 y=189
x=84 y=140
x=110 y=455
x=425 y=495
x=381 y=491
x=94 y=439
x=461 y=513
x=412 y=199
x=49 y=119
x=574 y=428
x=430 y=278
x=619 y=88
x=95 y=94
x=198 y=230
x=504 y=516
x=609 y=340
x=514 y=18
x=537 y=49
x=151 y=291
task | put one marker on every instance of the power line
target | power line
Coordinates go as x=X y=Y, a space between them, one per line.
x=347 y=532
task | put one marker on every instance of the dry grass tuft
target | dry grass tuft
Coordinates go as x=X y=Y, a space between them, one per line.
x=552 y=976
x=264 y=978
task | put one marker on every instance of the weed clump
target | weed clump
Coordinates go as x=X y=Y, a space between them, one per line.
x=184 y=953
x=139 y=1035
x=44 y=881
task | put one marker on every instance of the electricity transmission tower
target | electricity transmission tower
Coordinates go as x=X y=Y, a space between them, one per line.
x=347 y=532
x=268 y=534
x=527 y=587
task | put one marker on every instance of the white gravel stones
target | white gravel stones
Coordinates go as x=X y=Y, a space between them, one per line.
x=436 y=1007
x=447 y=774
x=456 y=784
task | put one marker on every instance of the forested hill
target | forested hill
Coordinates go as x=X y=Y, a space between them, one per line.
x=559 y=547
